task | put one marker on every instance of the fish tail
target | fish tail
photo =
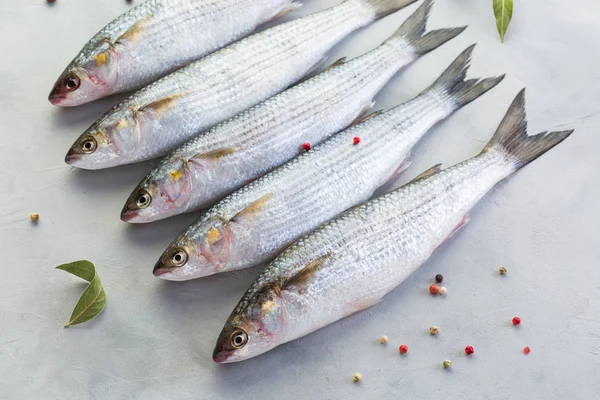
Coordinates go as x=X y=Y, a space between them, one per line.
x=386 y=7
x=413 y=32
x=453 y=86
x=511 y=136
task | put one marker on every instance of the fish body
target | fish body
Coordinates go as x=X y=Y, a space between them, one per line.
x=255 y=223
x=154 y=39
x=253 y=143
x=351 y=262
x=171 y=110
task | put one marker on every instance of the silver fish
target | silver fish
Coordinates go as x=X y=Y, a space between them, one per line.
x=351 y=262
x=155 y=38
x=173 y=109
x=211 y=166
x=258 y=221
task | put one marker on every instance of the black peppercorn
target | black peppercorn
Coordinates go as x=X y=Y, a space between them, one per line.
x=439 y=278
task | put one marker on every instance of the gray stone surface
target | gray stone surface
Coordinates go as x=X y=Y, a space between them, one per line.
x=155 y=338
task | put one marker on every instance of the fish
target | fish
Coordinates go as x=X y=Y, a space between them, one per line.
x=168 y=112
x=156 y=38
x=254 y=224
x=351 y=262
x=253 y=143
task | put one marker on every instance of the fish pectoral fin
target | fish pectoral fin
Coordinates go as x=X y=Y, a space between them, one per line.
x=464 y=221
x=162 y=105
x=134 y=33
x=426 y=174
x=248 y=213
x=216 y=154
x=302 y=278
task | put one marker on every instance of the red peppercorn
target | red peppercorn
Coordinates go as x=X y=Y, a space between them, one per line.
x=434 y=289
x=356 y=140
x=469 y=350
x=526 y=350
x=516 y=321
x=403 y=349
x=306 y=146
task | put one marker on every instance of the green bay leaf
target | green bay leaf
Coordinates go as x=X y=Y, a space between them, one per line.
x=503 y=10
x=93 y=299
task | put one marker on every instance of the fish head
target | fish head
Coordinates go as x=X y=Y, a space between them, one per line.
x=90 y=76
x=200 y=251
x=165 y=192
x=256 y=326
x=108 y=142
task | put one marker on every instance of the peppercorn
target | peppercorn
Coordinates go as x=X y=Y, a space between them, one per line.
x=434 y=330
x=403 y=349
x=526 y=350
x=433 y=289
x=439 y=278
x=356 y=377
x=447 y=363
x=516 y=321
x=469 y=350
x=356 y=140
x=383 y=339
x=443 y=290
x=34 y=217
x=306 y=146
x=502 y=270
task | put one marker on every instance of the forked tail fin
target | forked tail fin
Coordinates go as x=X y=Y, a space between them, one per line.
x=412 y=32
x=452 y=85
x=511 y=136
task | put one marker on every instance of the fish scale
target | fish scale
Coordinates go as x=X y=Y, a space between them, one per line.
x=318 y=185
x=223 y=84
x=271 y=133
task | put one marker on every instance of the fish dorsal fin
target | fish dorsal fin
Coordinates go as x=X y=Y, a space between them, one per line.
x=160 y=106
x=133 y=34
x=303 y=276
x=217 y=154
x=339 y=62
x=426 y=174
x=253 y=209
x=370 y=116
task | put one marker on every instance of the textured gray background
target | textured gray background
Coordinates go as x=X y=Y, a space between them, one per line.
x=154 y=339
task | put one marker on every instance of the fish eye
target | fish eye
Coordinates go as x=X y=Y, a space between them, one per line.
x=239 y=338
x=179 y=258
x=72 y=82
x=143 y=200
x=89 y=145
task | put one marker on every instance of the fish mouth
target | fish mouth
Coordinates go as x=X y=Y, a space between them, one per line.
x=221 y=357
x=72 y=157
x=161 y=271
x=165 y=272
x=130 y=216
x=56 y=97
